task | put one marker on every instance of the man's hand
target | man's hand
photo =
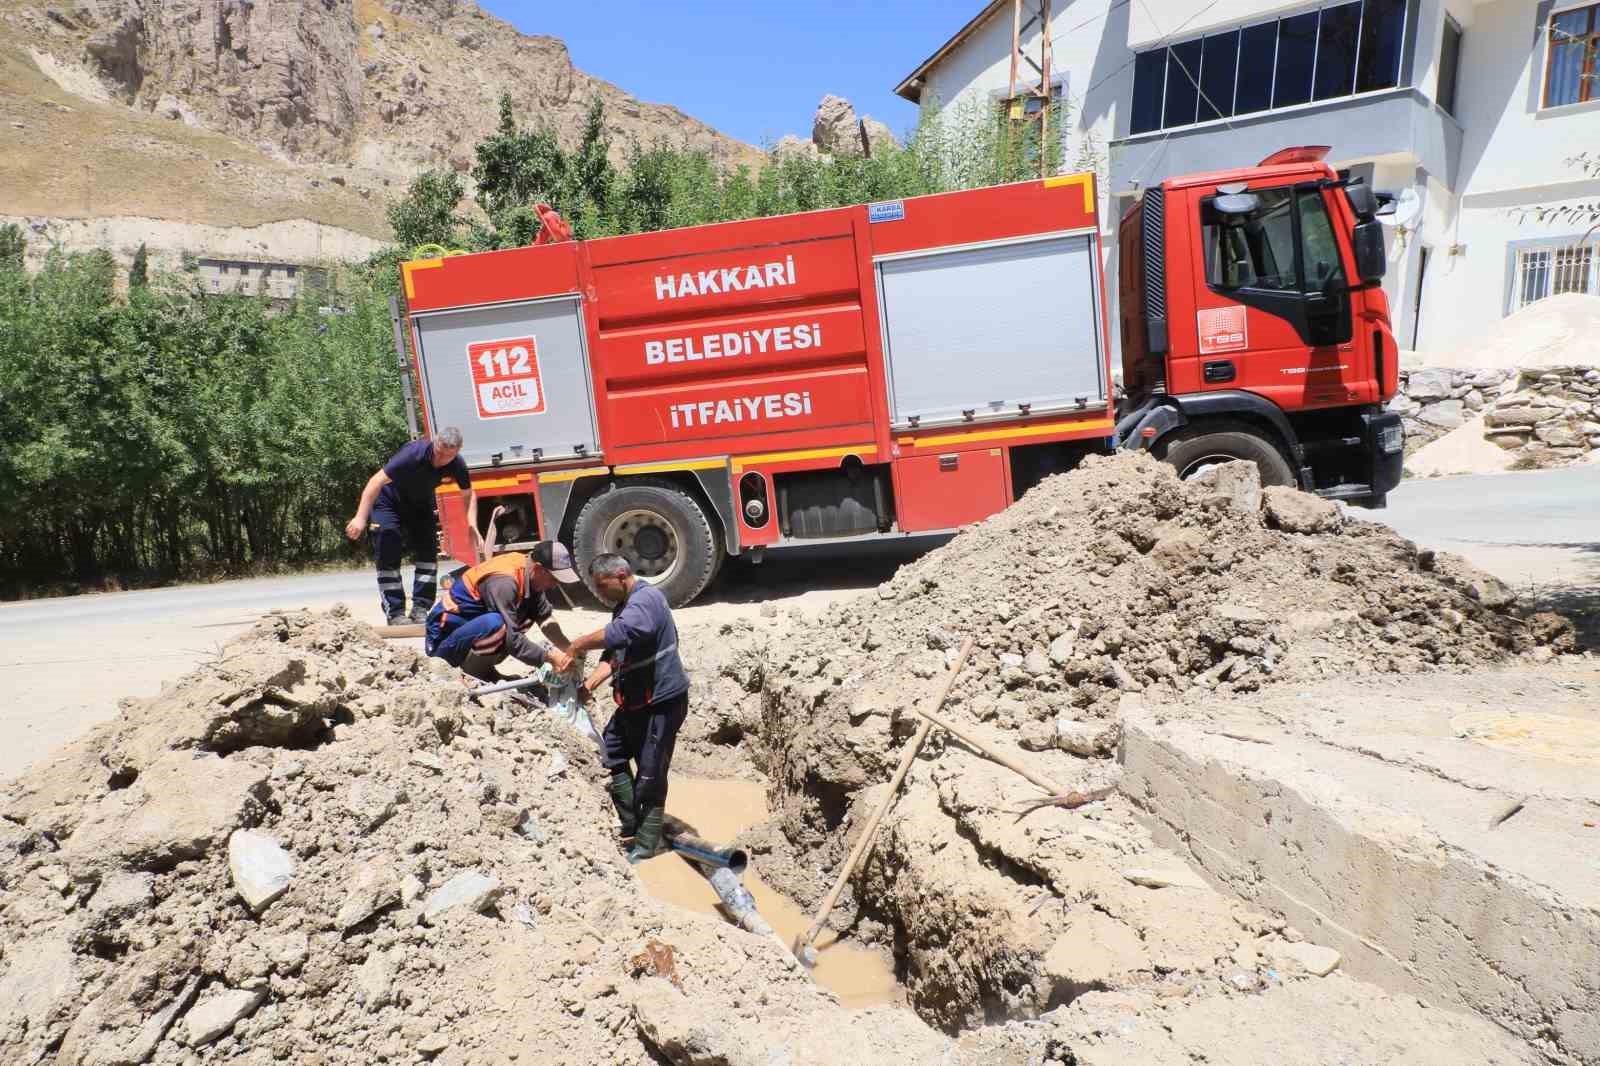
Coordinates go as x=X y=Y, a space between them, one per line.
x=559 y=660
x=585 y=694
x=354 y=528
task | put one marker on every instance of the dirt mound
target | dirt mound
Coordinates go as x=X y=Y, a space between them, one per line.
x=316 y=849
x=1112 y=583
x=1555 y=331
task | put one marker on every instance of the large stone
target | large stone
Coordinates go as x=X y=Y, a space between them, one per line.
x=1446 y=414
x=374 y=888
x=1294 y=511
x=1239 y=481
x=471 y=890
x=260 y=868
x=214 y=1016
x=835 y=129
x=38 y=998
x=1428 y=385
x=1509 y=439
x=1517 y=414
x=876 y=135
x=1483 y=379
x=182 y=807
x=1559 y=434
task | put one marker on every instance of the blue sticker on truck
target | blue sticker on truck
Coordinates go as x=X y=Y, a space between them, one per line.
x=888 y=211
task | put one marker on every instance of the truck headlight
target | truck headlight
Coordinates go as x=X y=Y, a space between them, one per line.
x=1391 y=439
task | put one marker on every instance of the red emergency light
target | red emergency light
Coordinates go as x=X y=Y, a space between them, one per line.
x=1306 y=153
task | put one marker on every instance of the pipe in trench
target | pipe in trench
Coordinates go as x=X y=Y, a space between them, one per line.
x=703 y=853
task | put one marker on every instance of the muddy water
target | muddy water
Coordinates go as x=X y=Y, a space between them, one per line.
x=719 y=810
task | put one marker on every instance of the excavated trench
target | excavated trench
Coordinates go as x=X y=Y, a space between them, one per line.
x=721 y=809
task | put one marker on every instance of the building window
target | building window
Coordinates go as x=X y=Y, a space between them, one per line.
x=1569 y=69
x=1551 y=271
x=1449 y=63
x=1335 y=51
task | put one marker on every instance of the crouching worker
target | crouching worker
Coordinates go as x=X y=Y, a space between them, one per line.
x=482 y=612
x=651 y=691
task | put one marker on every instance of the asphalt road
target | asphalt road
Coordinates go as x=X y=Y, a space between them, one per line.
x=64 y=663
x=1527 y=528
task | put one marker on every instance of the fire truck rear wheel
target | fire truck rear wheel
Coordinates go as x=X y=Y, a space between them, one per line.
x=661 y=530
x=1194 y=449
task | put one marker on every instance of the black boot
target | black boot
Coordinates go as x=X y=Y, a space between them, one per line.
x=621 y=789
x=648 y=837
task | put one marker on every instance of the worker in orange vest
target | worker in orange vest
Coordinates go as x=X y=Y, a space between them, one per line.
x=480 y=617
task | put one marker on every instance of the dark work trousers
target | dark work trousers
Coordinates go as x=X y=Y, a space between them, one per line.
x=646 y=737
x=391 y=535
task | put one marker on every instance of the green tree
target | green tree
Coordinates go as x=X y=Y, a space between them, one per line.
x=139 y=271
x=517 y=167
x=427 y=212
x=13 y=246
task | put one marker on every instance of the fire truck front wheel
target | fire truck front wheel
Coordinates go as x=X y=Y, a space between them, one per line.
x=661 y=530
x=1197 y=447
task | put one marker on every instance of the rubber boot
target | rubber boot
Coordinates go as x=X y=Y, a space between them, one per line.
x=648 y=838
x=621 y=789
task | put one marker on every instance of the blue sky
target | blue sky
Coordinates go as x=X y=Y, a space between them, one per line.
x=752 y=70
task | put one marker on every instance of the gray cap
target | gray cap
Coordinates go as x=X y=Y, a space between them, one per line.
x=554 y=557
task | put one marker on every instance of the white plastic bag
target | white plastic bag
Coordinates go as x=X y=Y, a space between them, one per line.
x=563 y=699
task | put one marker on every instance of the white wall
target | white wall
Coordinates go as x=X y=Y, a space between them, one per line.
x=1087 y=51
x=1513 y=160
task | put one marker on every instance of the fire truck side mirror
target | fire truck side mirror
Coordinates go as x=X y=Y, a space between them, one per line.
x=1367 y=242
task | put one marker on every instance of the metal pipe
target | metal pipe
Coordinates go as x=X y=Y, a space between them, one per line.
x=405 y=365
x=508 y=686
x=703 y=852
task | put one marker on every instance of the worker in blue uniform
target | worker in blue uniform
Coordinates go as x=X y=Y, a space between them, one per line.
x=397 y=509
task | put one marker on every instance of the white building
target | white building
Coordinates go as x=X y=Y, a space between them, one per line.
x=1477 y=106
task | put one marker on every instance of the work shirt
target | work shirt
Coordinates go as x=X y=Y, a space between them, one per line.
x=642 y=647
x=499 y=593
x=412 y=479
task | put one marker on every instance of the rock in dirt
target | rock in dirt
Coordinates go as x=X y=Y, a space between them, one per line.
x=1294 y=511
x=1238 y=482
x=1093 y=950
x=374 y=888
x=471 y=890
x=182 y=807
x=1313 y=959
x=212 y=1017
x=260 y=868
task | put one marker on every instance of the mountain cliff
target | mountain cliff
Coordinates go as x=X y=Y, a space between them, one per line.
x=245 y=112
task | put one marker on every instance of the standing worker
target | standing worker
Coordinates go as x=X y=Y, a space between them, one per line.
x=398 y=503
x=652 y=697
x=479 y=619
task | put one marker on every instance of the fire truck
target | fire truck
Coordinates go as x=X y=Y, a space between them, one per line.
x=905 y=367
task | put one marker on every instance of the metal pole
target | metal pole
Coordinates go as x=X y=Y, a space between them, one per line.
x=1044 y=88
x=404 y=364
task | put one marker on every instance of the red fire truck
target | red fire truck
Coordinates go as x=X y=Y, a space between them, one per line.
x=904 y=367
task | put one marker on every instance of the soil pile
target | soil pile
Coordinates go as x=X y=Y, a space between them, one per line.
x=1112 y=583
x=1555 y=331
x=317 y=850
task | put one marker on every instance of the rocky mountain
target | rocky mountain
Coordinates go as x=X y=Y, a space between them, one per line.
x=248 y=112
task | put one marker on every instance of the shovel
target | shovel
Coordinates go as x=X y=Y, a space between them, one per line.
x=803 y=947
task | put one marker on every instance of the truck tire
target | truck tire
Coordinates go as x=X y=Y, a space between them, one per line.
x=659 y=528
x=1192 y=449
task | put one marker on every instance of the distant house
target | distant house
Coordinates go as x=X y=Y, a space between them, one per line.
x=1476 y=107
x=280 y=281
